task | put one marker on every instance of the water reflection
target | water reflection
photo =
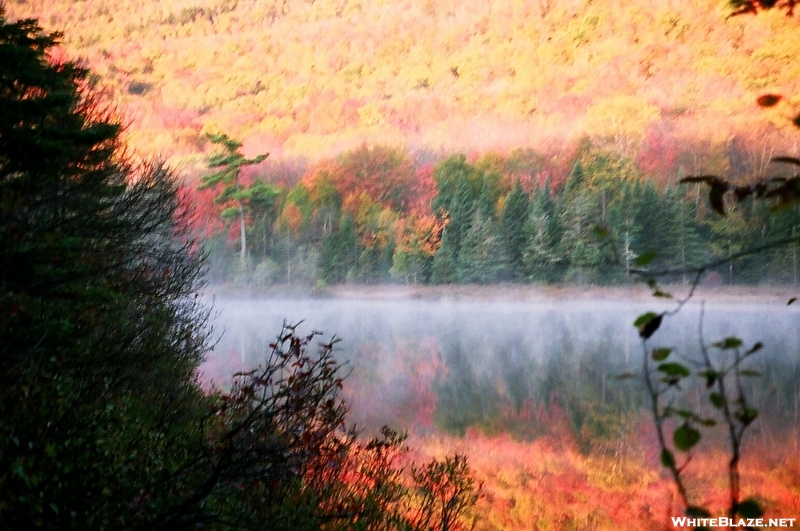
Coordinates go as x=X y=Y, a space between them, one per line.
x=503 y=365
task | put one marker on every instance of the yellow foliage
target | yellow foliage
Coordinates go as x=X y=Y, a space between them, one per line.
x=370 y=114
x=621 y=118
x=460 y=61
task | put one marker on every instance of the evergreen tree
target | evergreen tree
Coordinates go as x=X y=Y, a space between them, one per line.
x=340 y=252
x=100 y=330
x=543 y=232
x=461 y=209
x=443 y=270
x=784 y=264
x=730 y=234
x=482 y=257
x=684 y=246
x=230 y=163
x=512 y=229
x=451 y=176
x=264 y=202
x=580 y=214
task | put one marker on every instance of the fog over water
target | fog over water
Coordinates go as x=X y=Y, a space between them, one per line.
x=453 y=363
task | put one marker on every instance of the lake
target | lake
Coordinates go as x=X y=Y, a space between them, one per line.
x=451 y=363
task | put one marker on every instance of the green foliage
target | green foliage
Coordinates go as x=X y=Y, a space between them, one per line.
x=511 y=227
x=543 y=229
x=340 y=251
x=231 y=192
x=450 y=176
x=605 y=222
x=482 y=258
x=101 y=330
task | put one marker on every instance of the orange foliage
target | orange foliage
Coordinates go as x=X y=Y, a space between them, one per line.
x=291 y=218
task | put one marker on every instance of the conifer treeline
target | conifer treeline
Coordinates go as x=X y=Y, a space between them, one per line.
x=373 y=216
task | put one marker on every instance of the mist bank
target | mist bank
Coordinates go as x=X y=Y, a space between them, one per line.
x=777 y=294
x=509 y=360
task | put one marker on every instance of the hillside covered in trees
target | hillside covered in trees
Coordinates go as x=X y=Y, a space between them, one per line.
x=446 y=142
x=311 y=78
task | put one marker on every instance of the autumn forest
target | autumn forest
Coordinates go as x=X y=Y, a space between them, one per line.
x=465 y=196
x=563 y=119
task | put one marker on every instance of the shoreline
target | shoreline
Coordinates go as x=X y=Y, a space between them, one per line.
x=511 y=292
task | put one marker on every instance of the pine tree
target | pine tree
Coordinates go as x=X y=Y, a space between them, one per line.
x=100 y=329
x=684 y=246
x=231 y=162
x=543 y=231
x=512 y=229
x=482 y=257
x=580 y=214
x=340 y=251
x=460 y=209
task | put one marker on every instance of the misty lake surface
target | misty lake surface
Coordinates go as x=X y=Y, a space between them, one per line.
x=460 y=361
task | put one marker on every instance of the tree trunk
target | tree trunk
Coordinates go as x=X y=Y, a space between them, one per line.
x=243 y=252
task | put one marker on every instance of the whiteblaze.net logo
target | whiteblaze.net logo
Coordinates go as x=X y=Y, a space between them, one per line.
x=723 y=521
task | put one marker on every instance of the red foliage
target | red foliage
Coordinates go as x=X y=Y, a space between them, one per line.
x=206 y=218
x=658 y=153
x=423 y=191
x=386 y=175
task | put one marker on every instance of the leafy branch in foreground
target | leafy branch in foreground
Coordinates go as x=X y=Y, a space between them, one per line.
x=720 y=368
x=718 y=372
x=276 y=449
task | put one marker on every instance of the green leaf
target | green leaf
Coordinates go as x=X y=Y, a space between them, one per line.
x=746 y=416
x=758 y=346
x=729 y=343
x=685 y=437
x=625 y=376
x=710 y=376
x=230 y=213
x=18 y=470
x=667 y=459
x=790 y=301
x=686 y=414
x=716 y=400
x=749 y=372
x=674 y=369
x=648 y=323
x=662 y=294
x=660 y=354
x=644 y=318
x=600 y=231
x=750 y=508
x=645 y=258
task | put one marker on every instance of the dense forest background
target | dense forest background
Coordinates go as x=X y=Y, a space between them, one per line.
x=439 y=142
